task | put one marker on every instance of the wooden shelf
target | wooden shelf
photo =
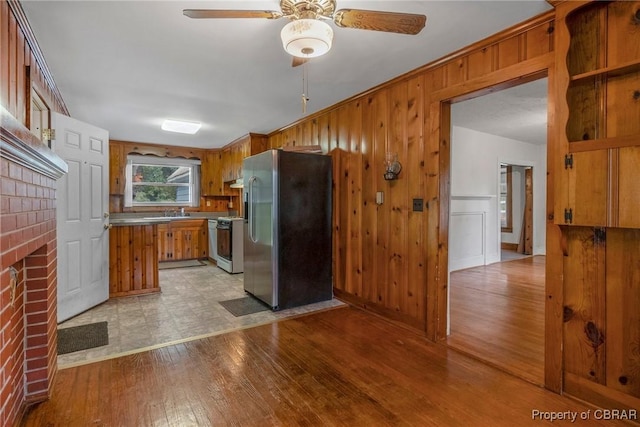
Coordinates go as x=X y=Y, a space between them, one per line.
x=604 y=143
x=613 y=71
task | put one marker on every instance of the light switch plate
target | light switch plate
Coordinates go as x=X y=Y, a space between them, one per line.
x=379 y=198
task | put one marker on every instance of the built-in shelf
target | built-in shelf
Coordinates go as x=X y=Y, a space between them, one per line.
x=604 y=143
x=613 y=71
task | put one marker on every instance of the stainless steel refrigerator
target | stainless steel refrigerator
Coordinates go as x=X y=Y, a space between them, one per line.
x=287 y=239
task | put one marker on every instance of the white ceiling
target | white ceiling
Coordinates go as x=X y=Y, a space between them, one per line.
x=518 y=113
x=127 y=65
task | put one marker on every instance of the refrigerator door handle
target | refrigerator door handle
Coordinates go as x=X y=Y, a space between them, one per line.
x=251 y=220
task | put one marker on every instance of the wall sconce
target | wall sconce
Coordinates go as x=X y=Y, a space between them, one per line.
x=392 y=166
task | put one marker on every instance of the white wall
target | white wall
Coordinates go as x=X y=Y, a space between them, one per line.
x=475 y=172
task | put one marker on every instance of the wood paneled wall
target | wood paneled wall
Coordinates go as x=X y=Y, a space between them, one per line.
x=389 y=258
x=393 y=261
x=22 y=66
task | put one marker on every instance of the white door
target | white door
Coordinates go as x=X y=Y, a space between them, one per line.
x=83 y=216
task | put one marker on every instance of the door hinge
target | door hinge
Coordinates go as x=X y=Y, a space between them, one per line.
x=568 y=161
x=568 y=216
x=48 y=134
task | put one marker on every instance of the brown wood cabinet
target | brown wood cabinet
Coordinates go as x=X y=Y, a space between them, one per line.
x=133 y=260
x=211 y=183
x=182 y=239
x=117 y=163
x=225 y=166
x=598 y=75
x=235 y=152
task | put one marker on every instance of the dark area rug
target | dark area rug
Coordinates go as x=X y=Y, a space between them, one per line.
x=82 y=337
x=243 y=306
x=164 y=265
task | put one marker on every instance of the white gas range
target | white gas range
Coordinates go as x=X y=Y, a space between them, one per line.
x=230 y=243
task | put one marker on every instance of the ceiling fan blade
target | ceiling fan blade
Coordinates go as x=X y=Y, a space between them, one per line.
x=298 y=61
x=391 y=22
x=210 y=13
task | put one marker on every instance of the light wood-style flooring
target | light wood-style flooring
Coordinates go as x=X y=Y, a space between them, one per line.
x=341 y=367
x=497 y=315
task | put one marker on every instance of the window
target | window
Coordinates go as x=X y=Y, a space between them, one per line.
x=160 y=181
x=506 y=214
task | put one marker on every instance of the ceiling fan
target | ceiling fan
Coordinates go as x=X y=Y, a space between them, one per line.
x=308 y=35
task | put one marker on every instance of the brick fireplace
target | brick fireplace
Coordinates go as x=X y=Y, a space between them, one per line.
x=28 y=318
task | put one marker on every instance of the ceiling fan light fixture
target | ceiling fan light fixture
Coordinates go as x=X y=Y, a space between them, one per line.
x=307 y=38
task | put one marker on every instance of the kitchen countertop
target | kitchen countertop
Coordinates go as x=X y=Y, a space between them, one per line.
x=140 y=221
x=127 y=219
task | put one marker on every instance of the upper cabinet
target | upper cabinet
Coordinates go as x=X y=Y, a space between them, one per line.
x=600 y=81
x=117 y=163
x=233 y=154
x=211 y=174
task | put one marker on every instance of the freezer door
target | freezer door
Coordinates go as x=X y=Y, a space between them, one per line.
x=259 y=225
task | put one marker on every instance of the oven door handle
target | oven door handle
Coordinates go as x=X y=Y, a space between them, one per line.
x=250 y=210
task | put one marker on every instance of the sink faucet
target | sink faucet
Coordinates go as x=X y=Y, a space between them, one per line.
x=181 y=211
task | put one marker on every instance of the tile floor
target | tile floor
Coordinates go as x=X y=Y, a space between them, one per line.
x=187 y=308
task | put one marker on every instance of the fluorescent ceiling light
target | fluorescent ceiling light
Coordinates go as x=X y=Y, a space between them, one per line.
x=181 y=126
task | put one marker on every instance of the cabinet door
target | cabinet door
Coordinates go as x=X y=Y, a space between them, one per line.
x=117 y=162
x=165 y=242
x=216 y=172
x=226 y=164
x=629 y=187
x=588 y=188
x=211 y=180
x=206 y=175
x=177 y=238
x=190 y=243
x=203 y=241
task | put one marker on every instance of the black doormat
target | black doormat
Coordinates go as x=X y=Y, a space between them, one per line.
x=82 y=337
x=164 y=265
x=243 y=306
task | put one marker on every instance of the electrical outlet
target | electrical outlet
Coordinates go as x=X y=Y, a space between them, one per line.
x=418 y=205
x=208 y=202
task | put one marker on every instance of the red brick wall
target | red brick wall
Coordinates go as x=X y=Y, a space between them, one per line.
x=28 y=244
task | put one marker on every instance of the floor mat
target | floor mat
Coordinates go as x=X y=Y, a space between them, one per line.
x=180 y=264
x=243 y=306
x=82 y=337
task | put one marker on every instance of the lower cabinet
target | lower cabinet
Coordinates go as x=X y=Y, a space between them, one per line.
x=133 y=260
x=182 y=239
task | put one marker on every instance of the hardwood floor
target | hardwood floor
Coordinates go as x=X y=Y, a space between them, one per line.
x=338 y=367
x=497 y=315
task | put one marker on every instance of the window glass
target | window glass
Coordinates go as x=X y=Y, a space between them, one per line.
x=161 y=182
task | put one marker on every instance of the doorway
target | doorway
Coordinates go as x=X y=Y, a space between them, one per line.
x=497 y=200
x=515 y=211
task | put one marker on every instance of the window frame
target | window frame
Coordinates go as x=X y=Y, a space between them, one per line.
x=149 y=160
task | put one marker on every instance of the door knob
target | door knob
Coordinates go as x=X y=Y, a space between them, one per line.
x=107 y=226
